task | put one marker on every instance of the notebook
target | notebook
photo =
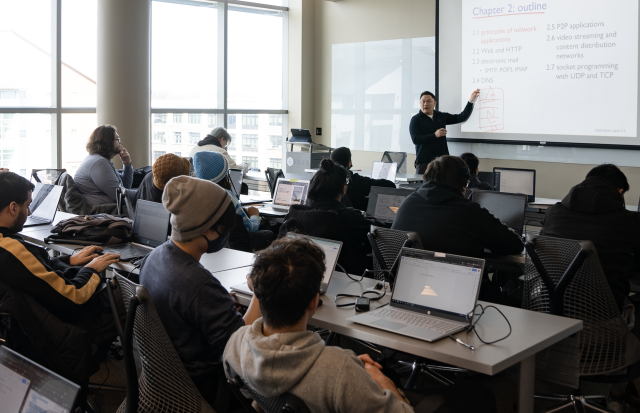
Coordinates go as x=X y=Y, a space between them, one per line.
x=44 y=204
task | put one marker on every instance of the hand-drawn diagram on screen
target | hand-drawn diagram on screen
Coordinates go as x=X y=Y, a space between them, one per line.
x=491 y=109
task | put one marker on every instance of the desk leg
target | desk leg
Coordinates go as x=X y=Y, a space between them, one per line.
x=527 y=380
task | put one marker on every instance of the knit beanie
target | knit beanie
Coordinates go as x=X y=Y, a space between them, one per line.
x=341 y=156
x=195 y=206
x=220 y=132
x=168 y=166
x=211 y=166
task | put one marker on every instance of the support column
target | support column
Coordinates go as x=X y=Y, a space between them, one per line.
x=124 y=74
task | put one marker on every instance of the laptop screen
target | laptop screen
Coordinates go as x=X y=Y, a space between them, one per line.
x=331 y=253
x=385 y=202
x=44 y=201
x=291 y=192
x=437 y=282
x=27 y=387
x=384 y=170
x=236 y=179
x=508 y=208
x=151 y=223
x=515 y=181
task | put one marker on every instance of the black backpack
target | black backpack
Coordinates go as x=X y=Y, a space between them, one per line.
x=100 y=229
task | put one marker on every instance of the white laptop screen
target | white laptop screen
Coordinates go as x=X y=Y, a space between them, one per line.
x=384 y=170
x=151 y=223
x=44 y=201
x=291 y=192
x=429 y=283
x=236 y=179
x=515 y=181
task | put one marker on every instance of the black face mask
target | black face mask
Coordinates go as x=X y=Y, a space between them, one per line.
x=217 y=244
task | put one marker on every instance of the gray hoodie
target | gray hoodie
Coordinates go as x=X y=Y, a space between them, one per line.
x=328 y=379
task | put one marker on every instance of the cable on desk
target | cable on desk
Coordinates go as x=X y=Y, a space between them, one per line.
x=472 y=326
x=348 y=275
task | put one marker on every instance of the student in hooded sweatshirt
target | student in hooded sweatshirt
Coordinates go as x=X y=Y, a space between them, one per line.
x=473 y=163
x=594 y=210
x=278 y=354
x=164 y=168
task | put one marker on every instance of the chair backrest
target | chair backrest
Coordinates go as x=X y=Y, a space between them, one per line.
x=47 y=176
x=386 y=245
x=124 y=202
x=564 y=277
x=164 y=384
x=272 y=175
x=399 y=157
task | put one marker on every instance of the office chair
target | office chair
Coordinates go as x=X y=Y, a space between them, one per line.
x=386 y=245
x=47 y=176
x=287 y=402
x=124 y=202
x=164 y=384
x=564 y=277
x=273 y=175
x=399 y=157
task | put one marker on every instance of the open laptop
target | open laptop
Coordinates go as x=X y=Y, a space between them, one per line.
x=515 y=181
x=508 y=208
x=384 y=170
x=331 y=253
x=27 y=387
x=288 y=192
x=384 y=202
x=149 y=231
x=236 y=176
x=433 y=295
x=44 y=204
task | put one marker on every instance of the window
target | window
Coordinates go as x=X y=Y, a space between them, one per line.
x=194 y=137
x=275 y=141
x=157 y=154
x=232 y=144
x=211 y=121
x=159 y=118
x=231 y=122
x=178 y=153
x=74 y=143
x=195 y=119
x=275 y=120
x=249 y=121
x=159 y=137
x=74 y=132
x=250 y=142
x=275 y=163
x=252 y=161
x=177 y=137
x=8 y=94
x=23 y=133
x=18 y=153
x=6 y=154
x=177 y=118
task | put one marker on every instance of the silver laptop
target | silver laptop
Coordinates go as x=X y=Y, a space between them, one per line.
x=288 y=192
x=331 y=253
x=149 y=231
x=44 y=204
x=236 y=176
x=433 y=295
x=28 y=387
x=384 y=170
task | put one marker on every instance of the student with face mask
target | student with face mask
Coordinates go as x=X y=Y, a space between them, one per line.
x=196 y=310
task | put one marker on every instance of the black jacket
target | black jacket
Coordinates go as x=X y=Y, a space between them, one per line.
x=147 y=191
x=423 y=132
x=360 y=187
x=594 y=210
x=475 y=182
x=447 y=222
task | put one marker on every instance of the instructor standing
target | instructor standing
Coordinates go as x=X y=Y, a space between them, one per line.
x=428 y=132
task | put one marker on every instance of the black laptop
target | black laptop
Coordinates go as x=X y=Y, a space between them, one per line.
x=384 y=202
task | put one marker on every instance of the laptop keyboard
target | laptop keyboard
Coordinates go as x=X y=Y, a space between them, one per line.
x=431 y=323
x=129 y=250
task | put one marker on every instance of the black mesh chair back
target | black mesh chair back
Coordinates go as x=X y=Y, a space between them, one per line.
x=284 y=403
x=124 y=202
x=272 y=175
x=399 y=157
x=564 y=277
x=164 y=385
x=47 y=176
x=386 y=245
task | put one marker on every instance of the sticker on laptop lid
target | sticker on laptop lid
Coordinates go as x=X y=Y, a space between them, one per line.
x=440 y=255
x=293 y=180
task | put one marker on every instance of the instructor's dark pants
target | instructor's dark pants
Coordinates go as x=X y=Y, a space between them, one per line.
x=421 y=168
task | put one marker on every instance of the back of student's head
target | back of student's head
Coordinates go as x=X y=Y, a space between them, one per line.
x=472 y=161
x=169 y=166
x=611 y=173
x=212 y=166
x=448 y=170
x=286 y=277
x=341 y=156
x=328 y=183
x=13 y=188
x=101 y=141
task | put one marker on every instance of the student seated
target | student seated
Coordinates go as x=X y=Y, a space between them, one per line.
x=594 y=210
x=96 y=178
x=164 y=168
x=217 y=141
x=196 y=310
x=278 y=354
x=212 y=166
x=326 y=189
x=473 y=163
x=61 y=284
x=446 y=221
x=359 y=186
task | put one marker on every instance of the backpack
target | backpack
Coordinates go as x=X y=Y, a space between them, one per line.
x=100 y=229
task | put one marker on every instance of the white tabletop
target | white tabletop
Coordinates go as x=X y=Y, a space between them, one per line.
x=367 y=173
x=544 y=203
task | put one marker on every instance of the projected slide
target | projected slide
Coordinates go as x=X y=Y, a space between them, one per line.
x=560 y=67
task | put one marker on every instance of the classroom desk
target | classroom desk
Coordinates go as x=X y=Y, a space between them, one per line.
x=399 y=177
x=542 y=204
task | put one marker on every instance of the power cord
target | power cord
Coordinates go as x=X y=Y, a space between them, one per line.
x=364 y=293
x=348 y=275
x=472 y=325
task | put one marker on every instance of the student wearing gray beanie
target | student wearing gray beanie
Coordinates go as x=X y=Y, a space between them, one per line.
x=198 y=313
x=217 y=141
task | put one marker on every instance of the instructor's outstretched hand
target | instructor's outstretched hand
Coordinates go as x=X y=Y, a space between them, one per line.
x=474 y=95
x=441 y=132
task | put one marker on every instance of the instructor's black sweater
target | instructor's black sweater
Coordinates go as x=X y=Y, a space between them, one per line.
x=423 y=132
x=447 y=222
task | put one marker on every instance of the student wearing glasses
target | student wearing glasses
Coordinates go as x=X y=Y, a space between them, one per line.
x=217 y=141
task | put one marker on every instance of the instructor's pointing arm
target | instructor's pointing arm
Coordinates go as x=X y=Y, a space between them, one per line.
x=474 y=95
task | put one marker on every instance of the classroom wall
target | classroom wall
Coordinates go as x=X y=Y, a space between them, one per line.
x=351 y=21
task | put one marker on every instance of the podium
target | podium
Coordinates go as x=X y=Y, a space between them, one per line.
x=309 y=157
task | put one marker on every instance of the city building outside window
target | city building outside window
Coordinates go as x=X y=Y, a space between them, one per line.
x=177 y=118
x=157 y=154
x=275 y=163
x=275 y=120
x=252 y=161
x=195 y=119
x=159 y=137
x=194 y=137
x=158 y=118
x=211 y=121
x=250 y=142
x=177 y=137
x=249 y=121
x=275 y=141
x=231 y=121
